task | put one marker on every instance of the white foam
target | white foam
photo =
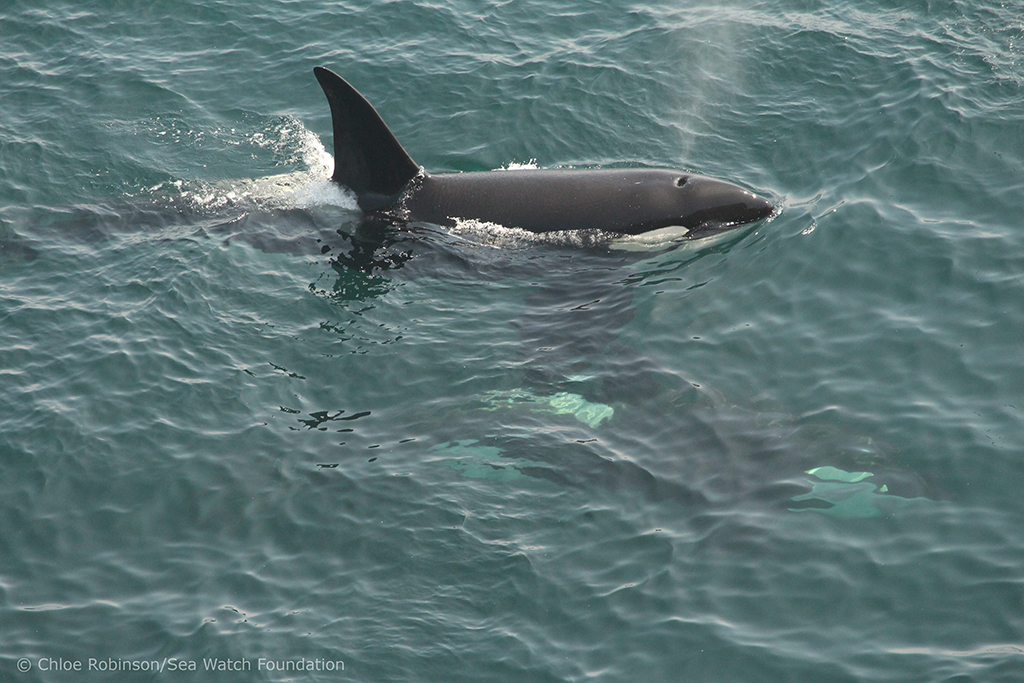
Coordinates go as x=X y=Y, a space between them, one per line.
x=493 y=235
x=293 y=143
x=499 y=236
x=530 y=165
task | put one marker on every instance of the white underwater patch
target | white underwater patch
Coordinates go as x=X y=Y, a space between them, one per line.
x=847 y=494
x=478 y=462
x=562 y=403
x=475 y=461
x=677 y=237
x=655 y=239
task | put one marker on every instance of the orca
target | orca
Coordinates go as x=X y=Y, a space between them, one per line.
x=388 y=184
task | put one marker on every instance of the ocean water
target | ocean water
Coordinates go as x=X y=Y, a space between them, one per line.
x=238 y=435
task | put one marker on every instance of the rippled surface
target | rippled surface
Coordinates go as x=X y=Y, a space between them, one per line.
x=235 y=426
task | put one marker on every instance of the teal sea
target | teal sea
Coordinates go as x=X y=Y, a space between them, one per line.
x=237 y=435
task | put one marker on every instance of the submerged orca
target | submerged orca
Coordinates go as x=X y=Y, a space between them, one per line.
x=387 y=182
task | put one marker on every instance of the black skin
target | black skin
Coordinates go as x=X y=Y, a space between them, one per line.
x=387 y=183
x=628 y=201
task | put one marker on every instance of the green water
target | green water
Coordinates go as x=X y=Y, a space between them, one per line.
x=231 y=430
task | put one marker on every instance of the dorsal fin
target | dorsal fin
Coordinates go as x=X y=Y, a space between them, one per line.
x=367 y=157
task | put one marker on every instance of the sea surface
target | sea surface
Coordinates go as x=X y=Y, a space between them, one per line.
x=240 y=435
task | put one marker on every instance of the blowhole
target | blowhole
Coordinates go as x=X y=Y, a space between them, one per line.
x=681 y=180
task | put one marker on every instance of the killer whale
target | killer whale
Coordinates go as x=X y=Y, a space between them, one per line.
x=387 y=183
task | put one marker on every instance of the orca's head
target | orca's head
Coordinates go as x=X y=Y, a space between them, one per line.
x=707 y=206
